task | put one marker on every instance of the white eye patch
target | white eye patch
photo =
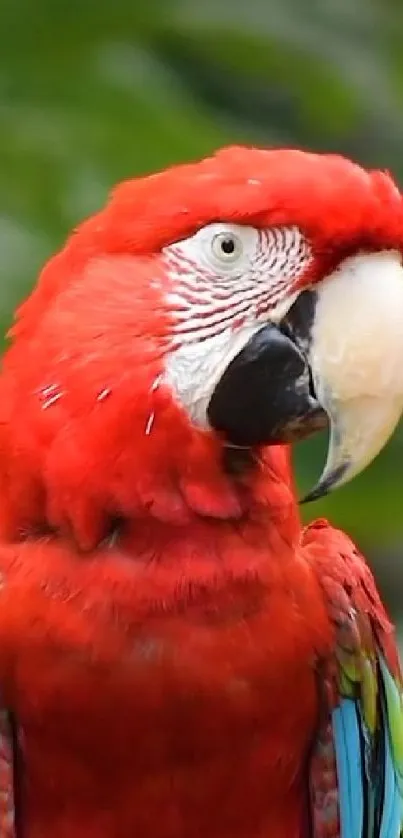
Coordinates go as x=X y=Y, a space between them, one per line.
x=227 y=280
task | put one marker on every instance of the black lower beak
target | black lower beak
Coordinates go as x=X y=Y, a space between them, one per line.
x=265 y=396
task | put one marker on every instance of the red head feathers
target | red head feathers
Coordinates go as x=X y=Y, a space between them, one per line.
x=97 y=420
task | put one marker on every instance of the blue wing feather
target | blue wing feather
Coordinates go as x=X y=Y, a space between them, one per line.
x=349 y=761
x=370 y=803
x=356 y=764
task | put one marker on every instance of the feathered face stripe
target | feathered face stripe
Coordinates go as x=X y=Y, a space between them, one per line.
x=225 y=281
x=211 y=292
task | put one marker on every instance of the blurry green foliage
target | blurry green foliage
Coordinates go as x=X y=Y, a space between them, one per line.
x=92 y=92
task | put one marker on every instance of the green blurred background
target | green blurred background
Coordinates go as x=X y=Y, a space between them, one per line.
x=93 y=92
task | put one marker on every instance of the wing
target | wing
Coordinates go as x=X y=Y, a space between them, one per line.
x=356 y=765
x=8 y=776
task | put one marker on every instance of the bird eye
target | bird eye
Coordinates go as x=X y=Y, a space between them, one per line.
x=227 y=247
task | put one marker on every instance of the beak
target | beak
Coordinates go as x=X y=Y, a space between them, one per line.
x=335 y=359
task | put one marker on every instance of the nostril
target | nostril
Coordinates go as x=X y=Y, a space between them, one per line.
x=297 y=323
x=297 y=326
x=311 y=385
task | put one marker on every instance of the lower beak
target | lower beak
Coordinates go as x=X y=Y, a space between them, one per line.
x=335 y=360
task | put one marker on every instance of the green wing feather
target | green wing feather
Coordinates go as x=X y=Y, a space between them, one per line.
x=360 y=739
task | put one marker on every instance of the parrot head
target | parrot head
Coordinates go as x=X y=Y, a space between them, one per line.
x=208 y=313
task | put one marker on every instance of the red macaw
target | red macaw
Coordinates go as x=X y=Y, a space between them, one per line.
x=178 y=657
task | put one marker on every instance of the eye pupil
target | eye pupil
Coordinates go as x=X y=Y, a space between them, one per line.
x=228 y=245
x=226 y=248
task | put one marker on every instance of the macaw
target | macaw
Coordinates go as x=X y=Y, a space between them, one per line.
x=179 y=657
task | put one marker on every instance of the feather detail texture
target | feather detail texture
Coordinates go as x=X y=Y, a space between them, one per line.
x=361 y=725
x=178 y=659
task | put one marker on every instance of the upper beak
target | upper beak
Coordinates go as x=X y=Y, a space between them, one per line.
x=336 y=358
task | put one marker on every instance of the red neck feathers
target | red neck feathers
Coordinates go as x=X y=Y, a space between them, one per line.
x=91 y=439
